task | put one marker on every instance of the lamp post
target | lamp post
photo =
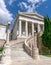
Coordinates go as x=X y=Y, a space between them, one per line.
x=6 y=58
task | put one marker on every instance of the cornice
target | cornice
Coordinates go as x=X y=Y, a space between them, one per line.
x=31 y=17
x=31 y=14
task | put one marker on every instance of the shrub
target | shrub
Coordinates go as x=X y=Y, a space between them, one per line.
x=46 y=37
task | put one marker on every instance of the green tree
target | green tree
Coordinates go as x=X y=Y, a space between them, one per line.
x=46 y=37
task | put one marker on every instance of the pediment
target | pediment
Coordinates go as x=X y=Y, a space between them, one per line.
x=32 y=15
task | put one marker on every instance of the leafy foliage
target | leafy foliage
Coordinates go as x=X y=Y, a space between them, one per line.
x=46 y=37
x=1 y=49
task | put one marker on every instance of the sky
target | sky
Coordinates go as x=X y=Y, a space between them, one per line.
x=9 y=8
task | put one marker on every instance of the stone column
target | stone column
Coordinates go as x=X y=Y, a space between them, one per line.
x=32 y=28
x=20 y=28
x=6 y=57
x=38 y=28
x=35 y=52
x=26 y=27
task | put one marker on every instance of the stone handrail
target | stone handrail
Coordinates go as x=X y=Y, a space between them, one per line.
x=40 y=33
x=28 y=45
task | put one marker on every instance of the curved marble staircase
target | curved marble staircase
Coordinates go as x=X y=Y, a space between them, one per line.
x=22 y=51
x=18 y=53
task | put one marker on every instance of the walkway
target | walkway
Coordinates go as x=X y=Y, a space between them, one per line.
x=20 y=57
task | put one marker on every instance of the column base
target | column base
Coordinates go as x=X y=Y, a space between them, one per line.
x=6 y=57
x=36 y=54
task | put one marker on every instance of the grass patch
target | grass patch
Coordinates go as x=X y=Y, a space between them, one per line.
x=1 y=50
x=47 y=55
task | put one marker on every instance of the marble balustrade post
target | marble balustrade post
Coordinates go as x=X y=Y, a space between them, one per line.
x=35 y=51
x=6 y=57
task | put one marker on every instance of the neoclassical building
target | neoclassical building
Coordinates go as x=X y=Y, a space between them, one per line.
x=26 y=24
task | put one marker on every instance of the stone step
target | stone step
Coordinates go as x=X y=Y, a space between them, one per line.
x=17 y=46
x=19 y=40
x=20 y=54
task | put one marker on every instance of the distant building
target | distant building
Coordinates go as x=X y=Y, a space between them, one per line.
x=2 y=34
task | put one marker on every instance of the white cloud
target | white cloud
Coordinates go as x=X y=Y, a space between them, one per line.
x=5 y=15
x=36 y=1
x=33 y=1
x=32 y=6
x=43 y=0
x=24 y=4
x=11 y=1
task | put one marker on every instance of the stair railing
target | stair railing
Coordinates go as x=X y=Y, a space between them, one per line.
x=28 y=45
